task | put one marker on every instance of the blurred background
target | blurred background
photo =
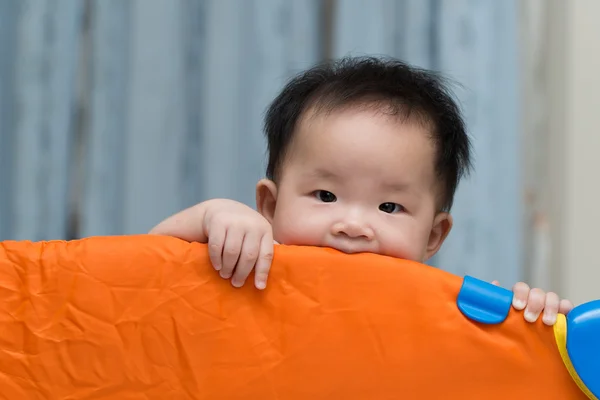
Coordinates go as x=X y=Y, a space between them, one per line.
x=115 y=114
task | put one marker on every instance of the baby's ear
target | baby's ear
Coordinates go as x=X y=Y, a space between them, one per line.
x=266 y=198
x=442 y=224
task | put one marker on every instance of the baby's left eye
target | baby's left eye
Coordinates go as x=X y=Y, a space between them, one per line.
x=391 y=208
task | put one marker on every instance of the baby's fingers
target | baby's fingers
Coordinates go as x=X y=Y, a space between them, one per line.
x=520 y=295
x=565 y=306
x=216 y=240
x=231 y=251
x=535 y=305
x=247 y=259
x=263 y=264
x=551 y=308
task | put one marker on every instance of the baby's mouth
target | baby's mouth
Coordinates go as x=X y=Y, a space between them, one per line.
x=352 y=246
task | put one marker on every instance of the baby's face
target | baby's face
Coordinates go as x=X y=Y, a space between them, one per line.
x=358 y=181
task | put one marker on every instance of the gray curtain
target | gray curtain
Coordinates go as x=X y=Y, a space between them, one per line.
x=115 y=114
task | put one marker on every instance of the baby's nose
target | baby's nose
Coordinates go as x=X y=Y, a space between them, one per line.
x=353 y=229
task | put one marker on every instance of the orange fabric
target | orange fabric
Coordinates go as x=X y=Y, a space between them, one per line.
x=146 y=317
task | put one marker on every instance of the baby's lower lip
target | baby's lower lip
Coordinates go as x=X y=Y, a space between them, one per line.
x=351 y=248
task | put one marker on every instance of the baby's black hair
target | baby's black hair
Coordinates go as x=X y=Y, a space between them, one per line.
x=388 y=85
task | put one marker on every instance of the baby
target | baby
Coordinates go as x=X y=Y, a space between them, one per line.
x=365 y=155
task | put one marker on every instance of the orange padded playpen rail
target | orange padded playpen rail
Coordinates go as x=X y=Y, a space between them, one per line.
x=147 y=317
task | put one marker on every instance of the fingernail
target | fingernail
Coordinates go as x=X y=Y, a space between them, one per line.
x=237 y=283
x=549 y=319
x=261 y=285
x=225 y=275
x=518 y=304
x=217 y=267
x=530 y=317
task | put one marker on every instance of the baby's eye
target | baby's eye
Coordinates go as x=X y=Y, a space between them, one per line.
x=325 y=196
x=391 y=208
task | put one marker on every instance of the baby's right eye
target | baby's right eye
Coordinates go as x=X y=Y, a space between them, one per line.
x=325 y=196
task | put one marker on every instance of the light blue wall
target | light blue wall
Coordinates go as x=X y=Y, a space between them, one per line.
x=38 y=104
x=115 y=114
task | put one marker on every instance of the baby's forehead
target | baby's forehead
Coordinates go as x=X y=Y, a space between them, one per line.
x=370 y=123
x=375 y=108
x=353 y=142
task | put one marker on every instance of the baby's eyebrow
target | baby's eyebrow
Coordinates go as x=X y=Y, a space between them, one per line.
x=323 y=173
x=391 y=186
x=395 y=186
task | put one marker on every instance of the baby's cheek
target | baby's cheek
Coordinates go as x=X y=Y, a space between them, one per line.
x=295 y=230
x=403 y=244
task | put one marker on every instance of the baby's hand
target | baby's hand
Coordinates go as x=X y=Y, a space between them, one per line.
x=239 y=240
x=535 y=301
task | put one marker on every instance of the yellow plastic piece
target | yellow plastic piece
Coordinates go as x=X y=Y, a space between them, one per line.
x=560 y=334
